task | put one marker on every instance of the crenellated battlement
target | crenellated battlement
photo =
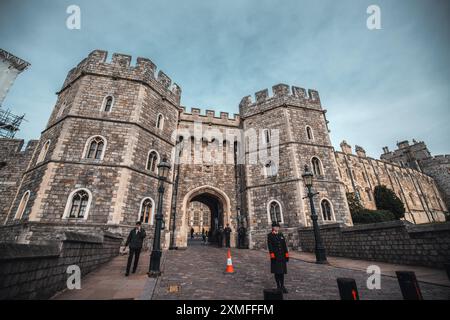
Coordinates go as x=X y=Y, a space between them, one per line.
x=209 y=116
x=281 y=94
x=120 y=67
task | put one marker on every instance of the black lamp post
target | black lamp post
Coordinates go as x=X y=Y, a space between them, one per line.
x=321 y=256
x=178 y=153
x=155 y=257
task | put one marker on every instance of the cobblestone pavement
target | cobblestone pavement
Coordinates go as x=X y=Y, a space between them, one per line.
x=199 y=273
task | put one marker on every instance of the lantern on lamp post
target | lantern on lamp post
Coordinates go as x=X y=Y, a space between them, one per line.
x=319 y=248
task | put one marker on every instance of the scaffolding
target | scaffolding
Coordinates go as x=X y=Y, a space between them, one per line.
x=9 y=123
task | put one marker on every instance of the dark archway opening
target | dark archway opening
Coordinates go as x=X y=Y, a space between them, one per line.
x=215 y=207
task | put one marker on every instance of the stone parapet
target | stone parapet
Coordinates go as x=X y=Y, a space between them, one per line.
x=39 y=271
x=398 y=242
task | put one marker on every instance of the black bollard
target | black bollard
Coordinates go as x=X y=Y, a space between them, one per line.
x=347 y=289
x=273 y=294
x=409 y=285
x=447 y=269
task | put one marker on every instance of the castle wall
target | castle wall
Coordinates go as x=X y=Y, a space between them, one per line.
x=40 y=271
x=291 y=111
x=438 y=167
x=13 y=163
x=218 y=171
x=199 y=216
x=120 y=180
x=423 y=203
x=398 y=242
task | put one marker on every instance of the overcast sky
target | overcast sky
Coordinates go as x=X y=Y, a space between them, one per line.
x=379 y=86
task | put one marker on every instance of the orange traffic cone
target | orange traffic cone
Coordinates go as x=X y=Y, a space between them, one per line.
x=229 y=269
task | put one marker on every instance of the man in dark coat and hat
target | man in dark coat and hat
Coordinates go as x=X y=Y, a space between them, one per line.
x=279 y=255
x=135 y=240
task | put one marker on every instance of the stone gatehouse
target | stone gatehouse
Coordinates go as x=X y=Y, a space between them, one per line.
x=95 y=165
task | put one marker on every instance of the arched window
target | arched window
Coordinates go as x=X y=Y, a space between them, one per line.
x=95 y=148
x=365 y=177
x=152 y=161
x=309 y=133
x=274 y=211
x=159 y=121
x=326 y=210
x=43 y=152
x=266 y=136
x=316 y=166
x=146 y=211
x=22 y=205
x=78 y=204
x=108 y=103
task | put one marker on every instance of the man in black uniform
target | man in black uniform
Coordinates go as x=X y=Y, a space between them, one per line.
x=241 y=237
x=227 y=232
x=279 y=255
x=135 y=239
x=220 y=237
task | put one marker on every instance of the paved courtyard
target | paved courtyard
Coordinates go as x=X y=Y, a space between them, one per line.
x=198 y=272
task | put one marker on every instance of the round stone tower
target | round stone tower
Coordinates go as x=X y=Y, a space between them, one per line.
x=293 y=127
x=95 y=165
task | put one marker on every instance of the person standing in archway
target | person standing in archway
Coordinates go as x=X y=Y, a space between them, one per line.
x=279 y=255
x=203 y=236
x=220 y=237
x=227 y=232
x=192 y=233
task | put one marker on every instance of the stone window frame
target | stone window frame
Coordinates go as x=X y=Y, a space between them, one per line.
x=61 y=109
x=88 y=145
x=69 y=205
x=43 y=152
x=158 y=157
x=269 y=217
x=333 y=216
x=309 y=131
x=152 y=214
x=266 y=137
x=22 y=205
x=321 y=173
x=113 y=102
x=159 y=124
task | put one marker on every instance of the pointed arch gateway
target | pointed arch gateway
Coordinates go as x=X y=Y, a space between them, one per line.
x=219 y=204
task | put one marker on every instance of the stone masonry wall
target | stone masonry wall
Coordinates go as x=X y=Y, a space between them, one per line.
x=418 y=191
x=397 y=242
x=13 y=163
x=438 y=167
x=303 y=135
x=39 y=271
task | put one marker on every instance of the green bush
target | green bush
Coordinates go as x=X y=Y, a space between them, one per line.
x=372 y=216
x=386 y=199
x=353 y=203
